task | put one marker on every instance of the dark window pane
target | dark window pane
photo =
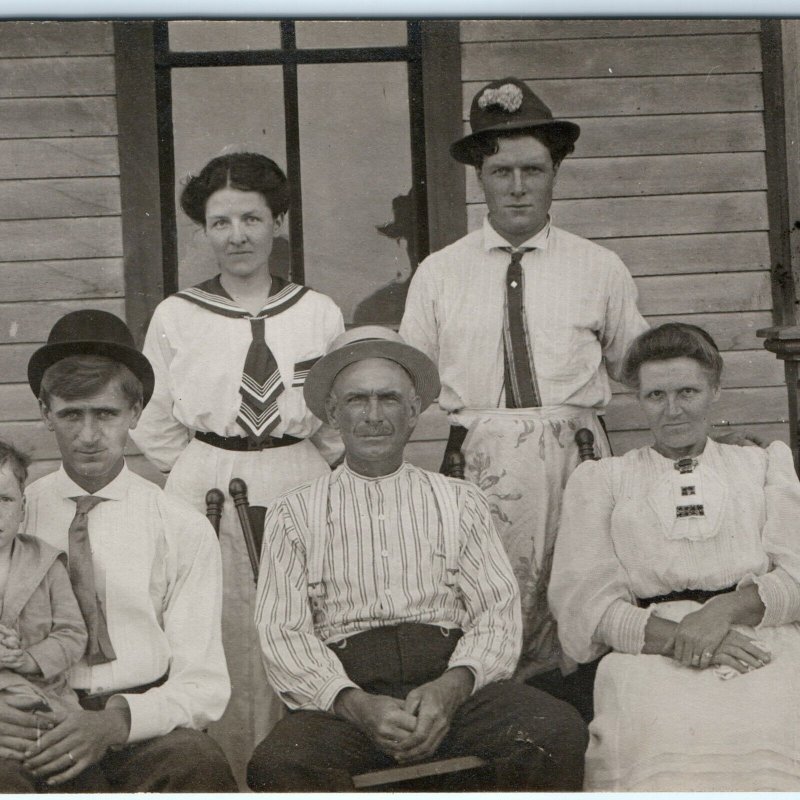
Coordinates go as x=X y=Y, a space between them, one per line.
x=216 y=109
x=355 y=158
x=206 y=35
x=346 y=33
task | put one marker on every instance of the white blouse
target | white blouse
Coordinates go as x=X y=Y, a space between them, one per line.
x=198 y=356
x=622 y=538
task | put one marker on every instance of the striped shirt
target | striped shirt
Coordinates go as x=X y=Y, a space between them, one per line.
x=384 y=565
x=580 y=308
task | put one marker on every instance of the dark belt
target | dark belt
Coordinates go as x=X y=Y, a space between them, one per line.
x=243 y=443
x=698 y=595
x=97 y=702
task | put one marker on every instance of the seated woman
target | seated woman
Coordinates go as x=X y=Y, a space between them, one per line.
x=684 y=559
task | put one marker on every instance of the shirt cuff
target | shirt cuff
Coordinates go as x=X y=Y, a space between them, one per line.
x=146 y=715
x=478 y=673
x=325 y=697
x=622 y=627
x=779 y=593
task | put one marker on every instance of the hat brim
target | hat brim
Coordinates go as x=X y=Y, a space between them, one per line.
x=461 y=149
x=50 y=354
x=322 y=375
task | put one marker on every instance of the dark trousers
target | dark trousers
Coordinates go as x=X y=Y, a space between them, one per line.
x=182 y=761
x=534 y=741
x=577 y=688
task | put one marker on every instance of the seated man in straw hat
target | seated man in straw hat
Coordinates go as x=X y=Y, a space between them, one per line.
x=145 y=569
x=525 y=322
x=387 y=610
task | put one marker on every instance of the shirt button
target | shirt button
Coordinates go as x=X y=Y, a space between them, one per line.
x=381 y=517
x=385 y=553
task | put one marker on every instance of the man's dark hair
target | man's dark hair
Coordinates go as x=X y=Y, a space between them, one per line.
x=76 y=377
x=247 y=172
x=487 y=144
x=17 y=460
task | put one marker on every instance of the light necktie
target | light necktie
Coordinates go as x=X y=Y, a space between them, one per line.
x=261 y=385
x=81 y=574
x=520 y=383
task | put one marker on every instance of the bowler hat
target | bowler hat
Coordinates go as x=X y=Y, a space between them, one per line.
x=90 y=332
x=507 y=105
x=369 y=341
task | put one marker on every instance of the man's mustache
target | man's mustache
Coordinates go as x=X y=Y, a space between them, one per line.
x=381 y=429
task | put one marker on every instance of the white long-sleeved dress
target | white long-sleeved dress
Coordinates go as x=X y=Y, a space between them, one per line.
x=659 y=725
x=197 y=343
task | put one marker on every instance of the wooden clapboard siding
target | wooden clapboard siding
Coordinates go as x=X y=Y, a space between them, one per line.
x=59 y=158
x=682 y=94
x=51 y=280
x=57 y=116
x=490 y=30
x=669 y=172
x=56 y=77
x=54 y=39
x=59 y=197
x=651 y=175
x=60 y=227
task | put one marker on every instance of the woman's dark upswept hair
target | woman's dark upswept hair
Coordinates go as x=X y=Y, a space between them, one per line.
x=247 y=172
x=672 y=340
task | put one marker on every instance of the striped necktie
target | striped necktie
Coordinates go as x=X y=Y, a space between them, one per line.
x=81 y=574
x=261 y=385
x=519 y=378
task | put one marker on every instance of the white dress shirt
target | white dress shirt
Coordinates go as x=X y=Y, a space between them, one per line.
x=384 y=564
x=580 y=307
x=157 y=569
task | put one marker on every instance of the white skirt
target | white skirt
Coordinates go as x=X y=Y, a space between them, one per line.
x=660 y=726
x=253 y=708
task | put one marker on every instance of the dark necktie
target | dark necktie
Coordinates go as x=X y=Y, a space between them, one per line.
x=520 y=384
x=261 y=385
x=81 y=574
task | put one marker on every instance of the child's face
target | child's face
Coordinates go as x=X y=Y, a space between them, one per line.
x=12 y=506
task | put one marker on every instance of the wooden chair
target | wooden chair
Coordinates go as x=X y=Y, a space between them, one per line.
x=448 y=774
x=584 y=438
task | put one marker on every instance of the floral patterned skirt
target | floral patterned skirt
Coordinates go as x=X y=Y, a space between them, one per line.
x=522 y=458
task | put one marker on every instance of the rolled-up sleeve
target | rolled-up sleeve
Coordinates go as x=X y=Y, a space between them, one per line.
x=198 y=687
x=589 y=590
x=492 y=640
x=302 y=670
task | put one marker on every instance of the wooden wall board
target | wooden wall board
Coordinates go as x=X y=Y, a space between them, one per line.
x=735 y=407
x=14 y=358
x=24 y=39
x=503 y=30
x=701 y=294
x=41 y=240
x=733 y=330
x=631 y=176
x=50 y=198
x=56 y=77
x=662 y=94
x=62 y=279
x=616 y=217
x=698 y=252
x=58 y=158
x=22 y=323
x=657 y=55
x=61 y=116
x=17 y=403
x=622 y=441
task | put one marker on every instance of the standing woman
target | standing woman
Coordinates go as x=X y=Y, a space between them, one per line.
x=230 y=358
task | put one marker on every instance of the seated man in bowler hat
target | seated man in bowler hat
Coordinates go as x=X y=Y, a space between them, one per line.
x=525 y=322
x=387 y=610
x=145 y=569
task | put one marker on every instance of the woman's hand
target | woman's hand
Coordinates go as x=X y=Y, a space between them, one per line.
x=699 y=634
x=739 y=651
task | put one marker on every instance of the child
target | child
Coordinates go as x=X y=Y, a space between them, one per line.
x=42 y=633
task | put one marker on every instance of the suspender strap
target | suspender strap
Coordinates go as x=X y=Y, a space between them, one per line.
x=317 y=536
x=450 y=514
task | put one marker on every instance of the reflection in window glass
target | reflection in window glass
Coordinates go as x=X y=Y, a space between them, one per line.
x=205 y=35
x=355 y=157
x=347 y=33
x=218 y=108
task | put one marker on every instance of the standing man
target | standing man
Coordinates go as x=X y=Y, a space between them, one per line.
x=386 y=608
x=524 y=321
x=145 y=569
